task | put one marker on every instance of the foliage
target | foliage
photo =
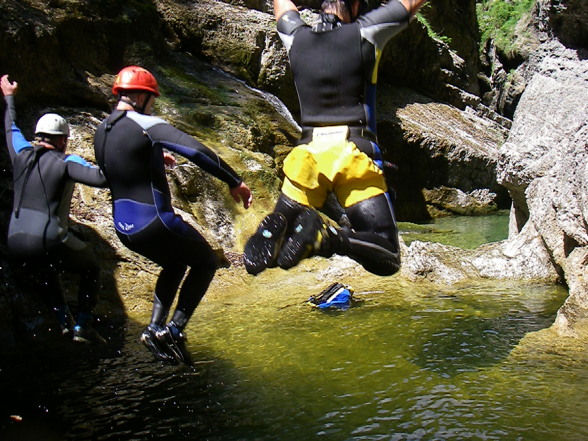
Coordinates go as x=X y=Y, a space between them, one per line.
x=431 y=32
x=498 y=19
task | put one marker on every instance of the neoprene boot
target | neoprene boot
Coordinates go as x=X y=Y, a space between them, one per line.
x=84 y=332
x=64 y=318
x=151 y=342
x=311 y=236
x=175 y=340
x=261 y=250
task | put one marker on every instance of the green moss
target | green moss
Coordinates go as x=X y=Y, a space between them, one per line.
x=431 y=32
x=187 y=88
x=498 y=19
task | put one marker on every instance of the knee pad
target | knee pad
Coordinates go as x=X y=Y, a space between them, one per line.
x=375 y=215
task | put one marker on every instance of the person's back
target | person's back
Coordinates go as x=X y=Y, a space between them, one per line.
x=42 y=198
x=328 y=70
x=335 y=63
x=132 y=162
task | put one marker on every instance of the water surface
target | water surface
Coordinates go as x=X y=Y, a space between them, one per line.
x=461 y=231
x=406 y=362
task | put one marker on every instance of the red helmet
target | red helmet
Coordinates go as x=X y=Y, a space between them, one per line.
x=135 y=78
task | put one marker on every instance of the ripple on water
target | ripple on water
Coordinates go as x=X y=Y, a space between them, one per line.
x=402 y=365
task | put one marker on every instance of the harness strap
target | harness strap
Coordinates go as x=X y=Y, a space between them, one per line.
x=354 y=131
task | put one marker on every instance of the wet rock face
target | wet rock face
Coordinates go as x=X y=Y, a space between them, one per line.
x=56 y=48
x=445 y=201
x=436 y=145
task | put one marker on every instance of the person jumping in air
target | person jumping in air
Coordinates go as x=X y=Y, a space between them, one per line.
x=334 y=64
x=129 y=147
x=38 y=234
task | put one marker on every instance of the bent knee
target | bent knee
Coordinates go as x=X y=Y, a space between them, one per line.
x=387 y=268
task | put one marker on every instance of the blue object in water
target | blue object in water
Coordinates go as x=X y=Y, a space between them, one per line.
x=335 y=296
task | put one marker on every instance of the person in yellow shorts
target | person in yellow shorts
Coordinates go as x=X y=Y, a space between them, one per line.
x=334 y=64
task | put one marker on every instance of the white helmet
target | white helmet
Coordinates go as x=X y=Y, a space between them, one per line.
x=52 y=124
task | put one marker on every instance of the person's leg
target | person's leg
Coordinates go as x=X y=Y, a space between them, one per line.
x=193 y=289
x=52 y=293
x=175 y=245
x=74 y=256
x=166 y=288
x=373 y=239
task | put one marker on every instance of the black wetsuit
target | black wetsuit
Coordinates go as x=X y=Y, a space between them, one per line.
x=129 y=148
x=38 y=232
x=335 y=72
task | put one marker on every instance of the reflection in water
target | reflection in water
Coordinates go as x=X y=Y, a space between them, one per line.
x=403 y=364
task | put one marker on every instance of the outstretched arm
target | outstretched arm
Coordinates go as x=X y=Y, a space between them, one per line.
x=283 y=6
x=412 y=6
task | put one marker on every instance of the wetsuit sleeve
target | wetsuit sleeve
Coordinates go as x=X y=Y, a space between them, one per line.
x=15 y=140
x=83 y=172
x=287 y=25
x=189 y=147
x=381 y=24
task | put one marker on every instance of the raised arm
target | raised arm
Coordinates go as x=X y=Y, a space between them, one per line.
x=8 y=90
x=412 y=6
x=14 y=137
x=283 y=6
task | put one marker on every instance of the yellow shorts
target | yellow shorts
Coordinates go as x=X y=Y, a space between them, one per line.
x=331 y=163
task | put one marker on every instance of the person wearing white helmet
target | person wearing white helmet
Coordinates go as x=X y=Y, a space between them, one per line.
x=52 y=124
x=38 y=234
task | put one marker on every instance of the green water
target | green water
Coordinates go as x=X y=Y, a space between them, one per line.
x=464 y=232
x=400 y=365
x=407 y=362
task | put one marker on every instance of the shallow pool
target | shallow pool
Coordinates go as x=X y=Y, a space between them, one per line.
x=406 y=362
x=461 y=231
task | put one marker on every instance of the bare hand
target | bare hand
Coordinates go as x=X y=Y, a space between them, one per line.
x=242 y=192
x=169 y=159
x=8 y=88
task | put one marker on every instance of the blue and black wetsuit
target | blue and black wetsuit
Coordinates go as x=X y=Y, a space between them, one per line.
x=129 y=148
x=38 y=232
x=335 y=69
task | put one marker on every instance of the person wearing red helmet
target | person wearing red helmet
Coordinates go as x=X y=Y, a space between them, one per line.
x=132 y=148
x=38 y=234
x=334 y=64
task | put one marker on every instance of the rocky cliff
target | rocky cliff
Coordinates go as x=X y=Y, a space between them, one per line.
x=544 y=161
x=444 y=120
